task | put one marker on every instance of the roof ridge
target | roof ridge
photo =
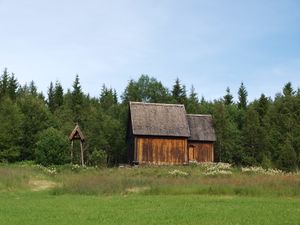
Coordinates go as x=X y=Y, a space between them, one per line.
x=161 y=104
x=190 y=114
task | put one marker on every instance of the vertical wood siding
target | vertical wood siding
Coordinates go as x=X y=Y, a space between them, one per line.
x=201 y=152
x=156 y=150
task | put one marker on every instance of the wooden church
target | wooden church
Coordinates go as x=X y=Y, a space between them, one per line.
x=165 y=134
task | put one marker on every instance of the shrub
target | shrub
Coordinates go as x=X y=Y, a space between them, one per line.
x=52 y=148
x=288 y=158
x=98 y=158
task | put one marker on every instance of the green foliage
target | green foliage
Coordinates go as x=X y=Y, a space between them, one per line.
x=58 y=96
x=242 y=95
x=252 y=138
x=108 y=98
x=8 y=85
x=262 y=132
x=145 y=89
x=288 y=90
x=77 y=101
x=36 y=119
x=11 y=120
x=4 y=83
x=179 y=92
x=98 y=158
x=50 y=101
x=288 y=158
x=228 y=98
x=192 y=104
x=52 y=147
x=227 y=148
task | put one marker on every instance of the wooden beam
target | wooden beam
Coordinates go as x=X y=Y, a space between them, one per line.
x=72 y=145
x=81 y=150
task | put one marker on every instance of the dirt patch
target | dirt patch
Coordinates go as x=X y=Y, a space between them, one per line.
x=137 y=189
x=40 y=185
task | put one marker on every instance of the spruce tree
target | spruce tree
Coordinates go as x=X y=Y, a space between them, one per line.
x=193 y=102
x=4 y=80
x=58 y=95
x=262 y=107
x=242 y=95
x=12 y=87
x=179 y=92
x=77 y=100
x=107 y=97
x=32 y=89
x=50 y=101
x=228 y=98
x=288 y=90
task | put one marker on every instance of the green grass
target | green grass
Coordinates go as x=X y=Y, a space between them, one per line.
x=148 y=181
x=43 y=209
x=30 y=194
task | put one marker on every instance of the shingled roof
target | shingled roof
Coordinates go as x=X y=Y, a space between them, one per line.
x=201 y=127
x=158 y=119
x=76 y=134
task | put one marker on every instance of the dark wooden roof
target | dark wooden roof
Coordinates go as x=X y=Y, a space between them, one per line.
x=201 y=127
x=158 y=119
x=76 y=134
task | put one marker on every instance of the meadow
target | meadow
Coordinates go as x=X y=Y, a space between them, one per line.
x=194 y=194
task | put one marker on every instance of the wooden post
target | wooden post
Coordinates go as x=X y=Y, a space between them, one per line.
x=81 y=150
x=72 y=152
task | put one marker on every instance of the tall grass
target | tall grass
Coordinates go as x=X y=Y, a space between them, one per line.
x=159 y=181
x=162 y=180
x=14 y=178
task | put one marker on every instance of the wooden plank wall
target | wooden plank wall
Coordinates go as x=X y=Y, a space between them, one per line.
x=203 y=152
x=155 y=150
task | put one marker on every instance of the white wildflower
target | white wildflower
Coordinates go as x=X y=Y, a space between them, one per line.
x=178 y=173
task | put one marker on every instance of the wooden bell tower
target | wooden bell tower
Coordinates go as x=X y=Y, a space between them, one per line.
x=77 y=135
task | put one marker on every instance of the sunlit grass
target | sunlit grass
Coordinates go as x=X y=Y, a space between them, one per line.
x=154 y=180
x=33 y=208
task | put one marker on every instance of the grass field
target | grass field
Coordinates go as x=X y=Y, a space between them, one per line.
x=42 y=208
x=31 y=194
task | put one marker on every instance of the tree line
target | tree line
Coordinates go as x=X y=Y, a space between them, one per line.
x=263 y=132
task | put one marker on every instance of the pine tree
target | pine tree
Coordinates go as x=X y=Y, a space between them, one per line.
x=4 y=80
x=179 y=92
x=193 y=102
x=77 y=100
x=262 y=106
x=115 y=96
x=288 y=90
x=228 y=98
x=242 y=95
x=58 y=95
x=107 y=97
x=12 y=87
x=32 y=89
x=50 y=102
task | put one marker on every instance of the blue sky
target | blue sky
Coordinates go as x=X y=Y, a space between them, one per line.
x=209 y=44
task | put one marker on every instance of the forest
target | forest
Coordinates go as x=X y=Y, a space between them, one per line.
x=34 y=127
